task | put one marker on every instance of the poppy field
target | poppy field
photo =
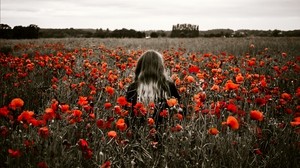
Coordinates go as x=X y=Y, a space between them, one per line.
x=62 y=103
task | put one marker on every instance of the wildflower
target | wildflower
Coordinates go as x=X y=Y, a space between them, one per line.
x=172 y=102
x=298 y=92
x=107 y=105
x=42 y=165
x=256 y=115
x=106 y=164
x=283 y=54
x=4 y=111
x=164 y=113
x=139 y=109
x=176 y=128
x=257 y=151
x=232 y=108
x=112 y=134
x=231 y=86
x=49 y=114
x=295 y=122
x=254 y=90
x=109 y=90
x=16 y=103
x=232 y=122
x=82 y=101
x=178 y=116
x=44 y=132
x=239 y=78
x=28 y=143
x=193 y=69
x=14 y=153
x=122 y=101
x=54 y=105
x=151 y=121
x=215 y=88
x=3 y=131
x=213 y=131
x=100 y=123
x=83 y=144
x=190 y=79
x=121 y=125
x=286 y=96
x=64 y=108
x=26 y=116
x=77 y=113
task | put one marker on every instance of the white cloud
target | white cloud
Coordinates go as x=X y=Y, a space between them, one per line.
x=153 y=14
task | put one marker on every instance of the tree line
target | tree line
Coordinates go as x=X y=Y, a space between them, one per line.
x=179 y=31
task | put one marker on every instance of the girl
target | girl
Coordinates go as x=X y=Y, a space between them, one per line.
x=151 y=85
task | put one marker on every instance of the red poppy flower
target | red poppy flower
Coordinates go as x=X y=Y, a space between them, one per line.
x=82 y=101
x=64 y=108
x=122 y=101
x=100 y=123
x=4 y=111
x=151 y=121
x=258 y=151
x=164 y=113
x=121 y=125
x=178 y=116
x=256 y=115
x=112 y=134
x=232 y=122
x=215 y=88
x=16 y=103
x=4 y=131
x=231 y=86
x=190 y=79
x=283 y=54
x=295 y=122
x=106 y=164
x=42 y=165
x=109 y=90
x=286 y=96
x=213 y=131
x=44 y=132
x=176 y=128
x=107 y=105
x=172 y=102
x=77 y=113
x=193 y=69
x=28 y=143
x=239 y=78
x=26 y=116
x=14 y=153
x=232 y=108
x=83 y=144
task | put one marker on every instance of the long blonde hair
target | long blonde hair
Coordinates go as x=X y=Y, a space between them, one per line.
x=151 y=77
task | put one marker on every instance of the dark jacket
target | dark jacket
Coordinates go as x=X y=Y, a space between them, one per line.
x=131 y=97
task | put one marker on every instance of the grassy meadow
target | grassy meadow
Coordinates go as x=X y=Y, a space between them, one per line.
x=62 y=103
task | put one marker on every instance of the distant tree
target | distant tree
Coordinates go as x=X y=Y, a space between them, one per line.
x=5 y=31
x=29 y=32
x=125 y=33
x=185 y=30
x=101 y=33
x=275 y=33
x=153 y=35
x=32 y=31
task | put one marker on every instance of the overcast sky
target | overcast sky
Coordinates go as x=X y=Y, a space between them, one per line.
x=153 y=14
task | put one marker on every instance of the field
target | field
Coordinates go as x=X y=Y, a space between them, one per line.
x=62 y=103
